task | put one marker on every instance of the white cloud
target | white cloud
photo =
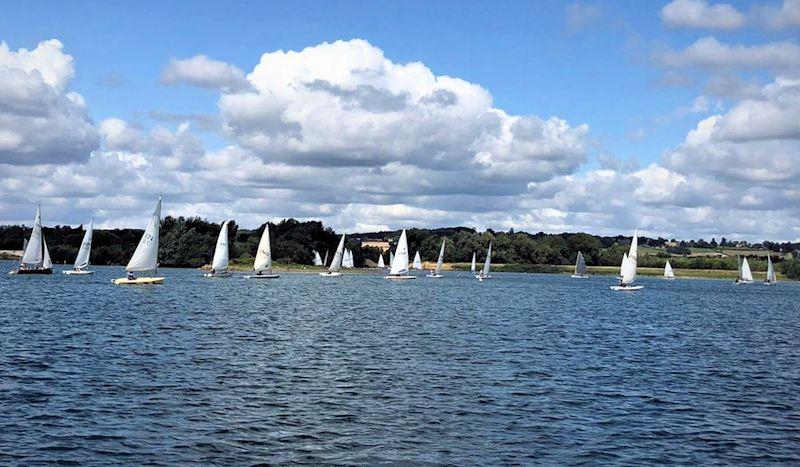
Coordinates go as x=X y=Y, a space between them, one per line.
x=701 y=14
x=710 y=53
x=204 y=72
x=785 y=16
x=40 y=121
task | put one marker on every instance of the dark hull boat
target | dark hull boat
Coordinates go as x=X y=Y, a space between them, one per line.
x=33 y=271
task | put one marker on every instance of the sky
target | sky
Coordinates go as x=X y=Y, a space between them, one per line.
x=680 y=117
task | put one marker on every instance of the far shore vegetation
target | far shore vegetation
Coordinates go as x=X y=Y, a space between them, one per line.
x=189 y=242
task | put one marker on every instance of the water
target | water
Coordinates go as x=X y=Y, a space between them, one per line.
x=359 y=370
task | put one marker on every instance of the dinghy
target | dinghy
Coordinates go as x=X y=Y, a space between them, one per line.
x=336 y=263
x=668 y=272
x=381 y=264
x=472 y=268
x=219 y=265
x=263 y=263
x=317 y=259
x=36 y=256
x=417 y=262
x=745 y=275
x=580 y=268
x=399 y=269
x=82 y=260
x=437 y=273
x=771 y=277
x=484 y=274
x=145 y=258
x=628 y=267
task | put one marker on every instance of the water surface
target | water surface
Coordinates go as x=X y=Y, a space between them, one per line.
x=359 y=370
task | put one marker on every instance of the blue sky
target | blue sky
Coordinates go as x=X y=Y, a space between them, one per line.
x=593 y=63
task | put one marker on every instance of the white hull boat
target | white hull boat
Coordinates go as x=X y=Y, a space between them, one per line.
x=627 y=288
x=261 y=276
x=330 y=274
x=628 y=267
x=77 y=272
x=399 y=266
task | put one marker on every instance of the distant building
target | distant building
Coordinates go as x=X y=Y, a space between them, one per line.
x=380 y=244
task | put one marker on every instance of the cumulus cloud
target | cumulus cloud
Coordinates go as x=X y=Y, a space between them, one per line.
x=787 y=15
x=40 y=121
x=710 y=53
x=204 y=72
x=701 y=14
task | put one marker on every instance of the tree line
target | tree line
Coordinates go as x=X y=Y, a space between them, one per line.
x=189 y=242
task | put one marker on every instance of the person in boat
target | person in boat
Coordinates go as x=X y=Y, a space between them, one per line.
x=131 y=277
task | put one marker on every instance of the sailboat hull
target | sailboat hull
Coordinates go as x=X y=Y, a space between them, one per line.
x=330 y=274
x=580 y=276
x=741 y=282
x=770 y=283
x=434 y=276
x=218 y=274
x=33 y=271
x=482 y=277
x=627 y=288
x=399 y=277
x=262 y=276
x=669 y=278
x=77 y=272
x=138 y=281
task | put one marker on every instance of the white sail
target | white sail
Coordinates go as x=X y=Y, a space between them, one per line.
x=263 y=260
x=400 y=261
x=34 y=254
x=349 y=254
x=771 y=278
x=46 y=262
x=473 y=268
x=746 y=273
x=417 y=261
x=440 y=260
x=145 y=258
x=391 y=258
x=381 y=264
x=629 y=266
x=336 y=264
x=325 y=261
x=221 y=258
x=82 y=260
x=488 y=262
x=580 y=265
x=668 y=270
x=317 y=259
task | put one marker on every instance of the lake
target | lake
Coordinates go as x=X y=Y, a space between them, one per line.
x=522 y=368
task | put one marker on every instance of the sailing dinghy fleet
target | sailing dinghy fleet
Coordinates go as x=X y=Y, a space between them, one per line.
x=36 y=259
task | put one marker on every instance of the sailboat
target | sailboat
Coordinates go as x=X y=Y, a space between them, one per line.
x=628 y=267
x=400 y=261
x=417 y=262
x=317 y=259
x=472 y=268
x=437 y=273
x=263 y=263
x=771 y=278
x=35 y=256
x=580 y=268
x=381 y=264
x=219 y=265
x=145 y=258
x=336 y=263
x=668 y=272
x=82 y=260
x=745 y=275
x=484 y=274
x=348 y=259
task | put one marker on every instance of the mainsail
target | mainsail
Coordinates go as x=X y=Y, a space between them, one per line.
x=317 y=259
x=771 y=278
x=263 y=260
x=747 y=275
x=381 y=264
x=400 y=260
x=46 y=262
x=34 y=253
x=417 y=261
x=668 y=271
x=221 y=258
x=82 y=260
x=488 y=262
x=391 y=258
x=473 y=263
x=336 y=264
x=145 y=258
x=629 y=265
x=580 y=265
x=440 y=261
x=325 y=261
